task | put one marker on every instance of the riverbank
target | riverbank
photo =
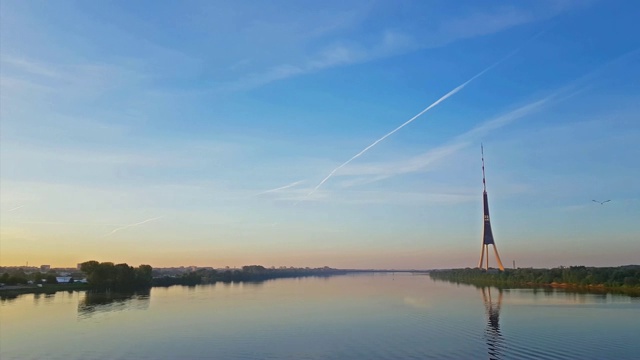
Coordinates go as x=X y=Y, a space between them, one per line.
x=15 y=290
x=623 y=280
x=187 y=279
x=251 y=273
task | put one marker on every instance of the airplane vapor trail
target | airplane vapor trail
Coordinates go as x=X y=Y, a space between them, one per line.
x=132 y=225
x=281 y=187
x=15 y=208
x=443 y=98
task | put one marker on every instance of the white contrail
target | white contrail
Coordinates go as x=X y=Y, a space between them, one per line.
x=15 y=208
x=421 y=162
x=443 y=98
x=281 y=187
x=132 y=225
x=66 y=223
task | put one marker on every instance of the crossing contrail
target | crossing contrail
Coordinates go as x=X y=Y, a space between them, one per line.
x=132 y=225
x=443 y=98
x=281 y=187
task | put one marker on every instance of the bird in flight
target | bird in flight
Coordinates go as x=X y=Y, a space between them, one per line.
x=601 y=202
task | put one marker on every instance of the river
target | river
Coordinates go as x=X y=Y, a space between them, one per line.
x=359 y=316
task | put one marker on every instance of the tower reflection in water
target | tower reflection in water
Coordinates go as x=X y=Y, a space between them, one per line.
x=493 y=336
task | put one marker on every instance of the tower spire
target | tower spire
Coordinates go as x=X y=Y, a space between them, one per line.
x=484 y=182
x=487 y=236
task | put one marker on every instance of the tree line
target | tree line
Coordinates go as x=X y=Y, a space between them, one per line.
x=577 y=276
x=107 y=276
x=19 y=277
x=110 y=277
x=247 y=273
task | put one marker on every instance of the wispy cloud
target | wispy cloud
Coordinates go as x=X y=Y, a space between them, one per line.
x=445 y=196
x=132 y=225
x=337 y=54
x=483 y=23
x=367 y=173
x=392 y=42
x=505 y=119
x=434 y=104
x=27 y=66
x=20 y=75
x=427 y=160
x=331 y=56
x=372 y=172
x=378 y=171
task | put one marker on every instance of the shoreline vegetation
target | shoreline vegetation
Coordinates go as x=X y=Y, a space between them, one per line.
x=108 y=277
x=15 y=290
x=622 y=279
x=250 y=273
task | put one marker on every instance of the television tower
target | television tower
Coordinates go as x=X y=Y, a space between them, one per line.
x=487 y=236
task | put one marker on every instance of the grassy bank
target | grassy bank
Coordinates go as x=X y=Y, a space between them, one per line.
x=624 y=279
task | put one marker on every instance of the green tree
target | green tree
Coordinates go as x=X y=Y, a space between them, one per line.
x=89 y=266
x=144 y=275
x=121 y=277
x=37 y=277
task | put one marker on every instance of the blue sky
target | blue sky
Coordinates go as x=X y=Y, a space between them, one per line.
x=195 y=133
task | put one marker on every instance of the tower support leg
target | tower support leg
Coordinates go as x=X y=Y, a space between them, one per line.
x=481 y=257
x=495 y=249
x=487 y=264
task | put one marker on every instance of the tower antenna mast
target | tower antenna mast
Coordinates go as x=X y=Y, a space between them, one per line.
x=484 y=182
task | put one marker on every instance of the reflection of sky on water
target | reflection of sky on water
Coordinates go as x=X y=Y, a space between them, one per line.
x=364 y=316
x=417 y=302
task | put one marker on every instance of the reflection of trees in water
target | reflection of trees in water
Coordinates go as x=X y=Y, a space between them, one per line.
x=8 y=298
x=11 y=297
x=493 y=336
x=96 y=303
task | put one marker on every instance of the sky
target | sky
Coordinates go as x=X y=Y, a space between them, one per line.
x=229 y=133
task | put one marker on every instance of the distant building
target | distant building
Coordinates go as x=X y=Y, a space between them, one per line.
x=45 y=268
x=63 y=279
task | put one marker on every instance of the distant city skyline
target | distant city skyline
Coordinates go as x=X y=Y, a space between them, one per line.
x=279 y=133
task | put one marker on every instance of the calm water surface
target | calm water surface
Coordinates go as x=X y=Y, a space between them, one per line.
x=364 y=316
